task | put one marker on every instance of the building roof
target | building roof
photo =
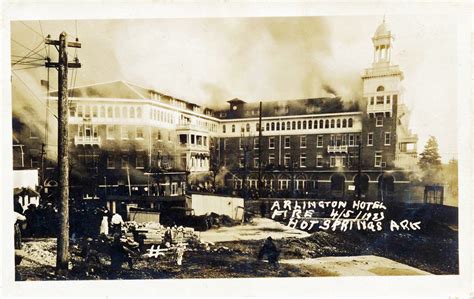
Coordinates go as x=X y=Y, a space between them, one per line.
x=115 y=90
x=382 y=30
x=291 y=107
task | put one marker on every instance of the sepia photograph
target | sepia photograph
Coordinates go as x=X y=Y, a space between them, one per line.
x=235 y=147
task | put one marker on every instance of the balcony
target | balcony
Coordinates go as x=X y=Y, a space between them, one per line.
x=380 y=108
x=332 y=149
x=87 y=140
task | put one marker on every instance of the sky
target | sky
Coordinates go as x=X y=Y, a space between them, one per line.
x=209 y=61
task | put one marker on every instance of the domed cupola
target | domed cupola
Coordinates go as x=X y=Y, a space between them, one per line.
x=382 y=41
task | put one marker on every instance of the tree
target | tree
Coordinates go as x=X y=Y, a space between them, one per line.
x=430 y=160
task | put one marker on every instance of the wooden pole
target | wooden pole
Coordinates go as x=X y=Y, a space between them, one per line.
x=63 y=159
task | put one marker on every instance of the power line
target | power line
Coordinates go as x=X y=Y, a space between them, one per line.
x=32 y=29
x=28 y=55
x=23 y=46
x=42 y=34
x=32 y=92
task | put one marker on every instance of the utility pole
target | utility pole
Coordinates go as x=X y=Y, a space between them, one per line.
x=359 y=171
x=63 y=160
x=260 y=162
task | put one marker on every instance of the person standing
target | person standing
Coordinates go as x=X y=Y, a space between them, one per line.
x=117 y=222
x=104 y=224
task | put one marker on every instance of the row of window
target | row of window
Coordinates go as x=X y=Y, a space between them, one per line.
x=380 y=100
x=296 y=125
x=387 y=138
x=334 y=160
x=337 y=140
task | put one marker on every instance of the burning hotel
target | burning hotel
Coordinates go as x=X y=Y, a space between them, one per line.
x=132 y=143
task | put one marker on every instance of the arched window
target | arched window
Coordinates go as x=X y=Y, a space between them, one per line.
x=124 y=112
x=299 y=125
x=110 y=112
x=79 y=111
x=132 y=112
x=87 y=111
x=327 y=124
x=139 y=112
x=321 y=124
x=310 y=124
x=278 y=126
x=268 y=126
x=293 y=125
x=380 y=88
x=247 y=127
x=233 y=128
x=332 y=123
x=283 y=126
x=344 y=123
x=350 y=123
x=338 y=123
x=304 y=125
x=102 y=112
x=273 y=126
x=288 y=125
x=117 y=112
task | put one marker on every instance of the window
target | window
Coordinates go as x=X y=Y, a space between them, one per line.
x=247 y=127
x=139 y=133
x=110 y=132
x=387 y=99
x=302 y=160
x=287 y=141
x=387 y=138
x=223 y=128
x=241 y=161
x=132 y=112
x=139 y=162
x=319 y=160
x=357 y=142
x=380 y=88
x=378 y=159
x=288 y=125
x=271 y=142
x=327 y=124
x=293 y=125
x=124 y=112
x=242 y=128
x=271 y=159
x=139 y=112
x=395 y=97
x=233 y=128
x=87 y=111
x=240 y=144
x=304 y=125
x=338 y=123
x=286 y=160
x=283 y=126
x=370 y=139
x=257 y=128
x=110 y=162
x=344 y=123
x=332 y=161
x=299 y=125
x=349 y=123
x=332 y=123
x=310 y=124
x=79 y=111
x=319 y=141
x=273 y=126
x=268 y=126
x=351 y=140
x=124 y=162
x=110 y=112
x=303 y=141
x=321 y=124
x=283 y=184
x=379 y=100
x=256 y=163
x=125 y=133
x=158 y=135
x=379 y=120
x=372 y=100
x=256 y=143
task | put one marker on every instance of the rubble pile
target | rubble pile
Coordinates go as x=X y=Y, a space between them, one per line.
x=153 y=233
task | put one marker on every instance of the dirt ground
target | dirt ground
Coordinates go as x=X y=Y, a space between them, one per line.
x=433 y=251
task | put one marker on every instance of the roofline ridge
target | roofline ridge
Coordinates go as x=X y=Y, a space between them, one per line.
x=93 y=84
